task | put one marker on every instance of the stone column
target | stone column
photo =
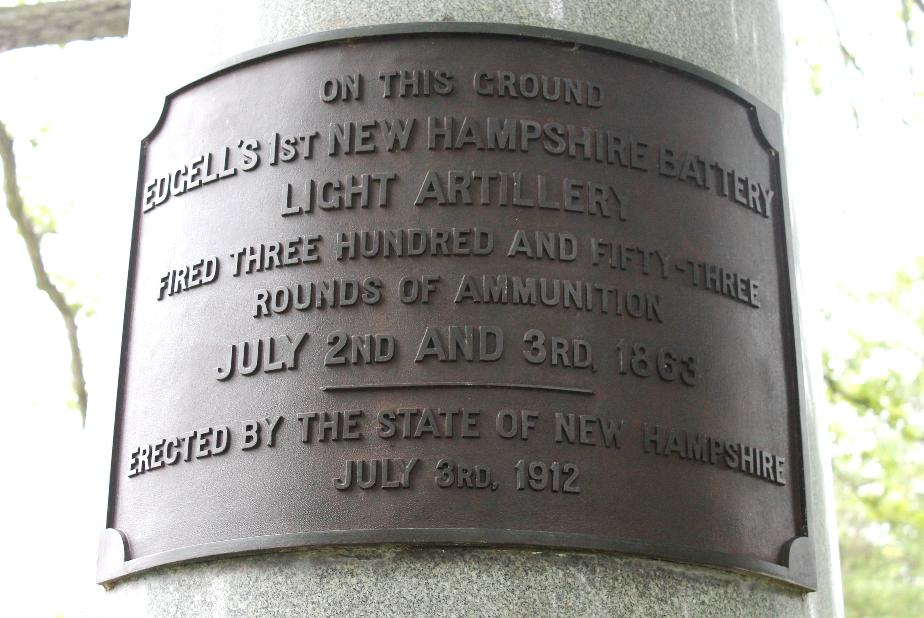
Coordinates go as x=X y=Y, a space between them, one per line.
x=740 y=41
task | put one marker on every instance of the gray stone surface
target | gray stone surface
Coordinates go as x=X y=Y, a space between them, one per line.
x=737 y=39
x=394 y=581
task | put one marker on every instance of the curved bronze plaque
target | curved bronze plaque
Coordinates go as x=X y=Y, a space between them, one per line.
x=464 y=285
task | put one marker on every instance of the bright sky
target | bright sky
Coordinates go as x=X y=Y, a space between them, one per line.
x=856 y=191
x=855 y=187
x=83 y=170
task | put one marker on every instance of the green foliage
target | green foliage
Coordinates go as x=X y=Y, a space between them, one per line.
x=43 y=219
x=877 y=386
x=815 y=79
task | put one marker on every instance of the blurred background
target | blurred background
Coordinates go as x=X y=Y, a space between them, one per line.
x=73 y=115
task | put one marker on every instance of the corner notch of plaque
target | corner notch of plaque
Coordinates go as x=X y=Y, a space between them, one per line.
x=545 y=302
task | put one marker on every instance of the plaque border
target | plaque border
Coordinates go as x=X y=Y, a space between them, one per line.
x=797 y=557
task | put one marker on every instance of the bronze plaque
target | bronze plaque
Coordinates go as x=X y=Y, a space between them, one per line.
x=458 y=284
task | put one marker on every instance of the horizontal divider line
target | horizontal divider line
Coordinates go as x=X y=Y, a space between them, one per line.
x=528 y=387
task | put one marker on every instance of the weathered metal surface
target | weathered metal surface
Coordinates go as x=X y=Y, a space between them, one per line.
x=459 y=284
